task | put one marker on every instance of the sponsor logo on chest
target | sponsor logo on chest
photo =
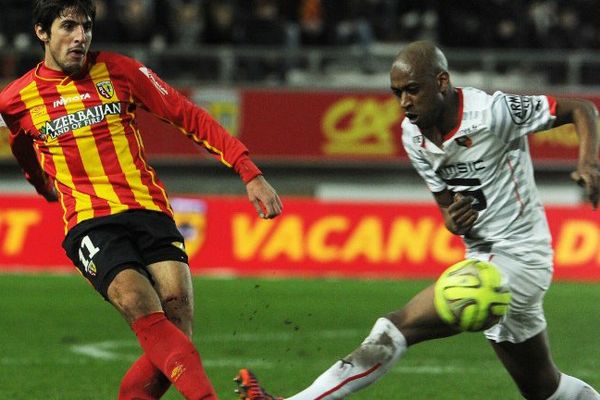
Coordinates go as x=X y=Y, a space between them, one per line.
x=77 y=120
x=63 y=101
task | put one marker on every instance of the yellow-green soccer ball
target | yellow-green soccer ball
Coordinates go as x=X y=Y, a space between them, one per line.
x=471 y=295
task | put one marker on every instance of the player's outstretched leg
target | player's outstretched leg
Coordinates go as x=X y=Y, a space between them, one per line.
x=531 y=366
x=370 y=361
x=384 y=346
x=166 y=346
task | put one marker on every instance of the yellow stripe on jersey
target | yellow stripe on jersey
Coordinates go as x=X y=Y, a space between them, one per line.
x=90 y=157
x=148 y=169
x=30 y=95
x=141 y=193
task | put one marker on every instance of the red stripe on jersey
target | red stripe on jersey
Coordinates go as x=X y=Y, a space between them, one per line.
x=81 y=180
x=552 y=105
x=68 y=203
x=350 y=379
x=148 y=175
x=110 y=161
x=459 y=116
x=75 y=162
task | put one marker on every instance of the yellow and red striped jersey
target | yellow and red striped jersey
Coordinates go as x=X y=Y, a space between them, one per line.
x=81 y=132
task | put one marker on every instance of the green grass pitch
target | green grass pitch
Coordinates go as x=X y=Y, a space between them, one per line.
x=60 y=341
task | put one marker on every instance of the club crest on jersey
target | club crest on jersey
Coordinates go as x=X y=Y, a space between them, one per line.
x=105 y=89
x=418 y=140
x=520 y=108
x=464 y=141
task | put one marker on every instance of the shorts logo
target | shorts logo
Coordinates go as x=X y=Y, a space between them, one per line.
x=90 y=269
x=179 y=245
x=519 y=107
x=105 y=89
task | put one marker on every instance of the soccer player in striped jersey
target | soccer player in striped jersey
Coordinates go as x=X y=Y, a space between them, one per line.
x=471 y=149
x=73 y=130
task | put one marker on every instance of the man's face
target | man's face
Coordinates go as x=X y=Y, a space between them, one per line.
x=67 y=43
x=418 y=93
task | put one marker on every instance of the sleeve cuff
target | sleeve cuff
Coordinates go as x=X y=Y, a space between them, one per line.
x=246 y=169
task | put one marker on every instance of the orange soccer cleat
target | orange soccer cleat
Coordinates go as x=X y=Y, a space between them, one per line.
x=249 y=388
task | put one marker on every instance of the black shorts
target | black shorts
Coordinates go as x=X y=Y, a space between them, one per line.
x=102 y=247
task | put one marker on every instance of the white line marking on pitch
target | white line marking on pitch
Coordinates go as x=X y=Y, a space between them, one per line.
x=113 y=349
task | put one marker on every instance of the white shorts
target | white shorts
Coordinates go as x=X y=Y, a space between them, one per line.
x=525 y=317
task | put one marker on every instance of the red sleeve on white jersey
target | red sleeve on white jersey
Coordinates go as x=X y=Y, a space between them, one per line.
x=552 y=105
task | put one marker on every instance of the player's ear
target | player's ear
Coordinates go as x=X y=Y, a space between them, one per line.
x=443 y=81
x=41 y=33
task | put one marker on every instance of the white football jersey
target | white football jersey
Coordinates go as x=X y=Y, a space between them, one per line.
x=2 y=123
x=487 y=157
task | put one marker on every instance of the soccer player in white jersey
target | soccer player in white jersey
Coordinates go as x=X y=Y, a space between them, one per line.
x=471 y=149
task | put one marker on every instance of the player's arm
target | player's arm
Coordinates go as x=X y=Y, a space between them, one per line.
x=457 y=210
x=165 y=102
x=584 y=115
x=21 y=146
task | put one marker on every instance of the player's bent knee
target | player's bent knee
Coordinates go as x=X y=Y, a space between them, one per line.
x=179 y=310
x=384 y=345
x=132 y=294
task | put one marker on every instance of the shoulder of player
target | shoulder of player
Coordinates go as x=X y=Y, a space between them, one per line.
x=11 y=91
x=411 y=135
x=476 y=99
x=116 y=60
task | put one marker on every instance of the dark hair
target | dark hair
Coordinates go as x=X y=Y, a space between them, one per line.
x=46 y=11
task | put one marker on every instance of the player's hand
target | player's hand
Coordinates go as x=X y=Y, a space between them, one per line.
x=588 y=177
x=462 y=214
x=264 y=198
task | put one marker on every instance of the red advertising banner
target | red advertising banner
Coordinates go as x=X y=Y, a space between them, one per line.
x=304 y=126
x=312 y=238
x=322 y=125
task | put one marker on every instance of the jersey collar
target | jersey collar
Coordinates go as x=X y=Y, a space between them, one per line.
x=42 y=72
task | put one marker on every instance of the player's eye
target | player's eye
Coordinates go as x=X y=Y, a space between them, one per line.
x=412 y=89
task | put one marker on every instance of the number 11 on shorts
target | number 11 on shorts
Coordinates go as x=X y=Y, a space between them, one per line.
x=88 y=247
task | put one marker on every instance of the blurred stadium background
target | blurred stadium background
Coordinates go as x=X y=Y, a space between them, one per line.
x=304 y=84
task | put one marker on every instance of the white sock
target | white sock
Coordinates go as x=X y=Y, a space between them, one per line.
x=571 y=388
x=375 y=356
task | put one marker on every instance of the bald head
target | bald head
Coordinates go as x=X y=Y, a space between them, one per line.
x=422 y=57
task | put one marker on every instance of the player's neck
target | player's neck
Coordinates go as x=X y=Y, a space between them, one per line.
x=447 y=121
x=449 y=118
